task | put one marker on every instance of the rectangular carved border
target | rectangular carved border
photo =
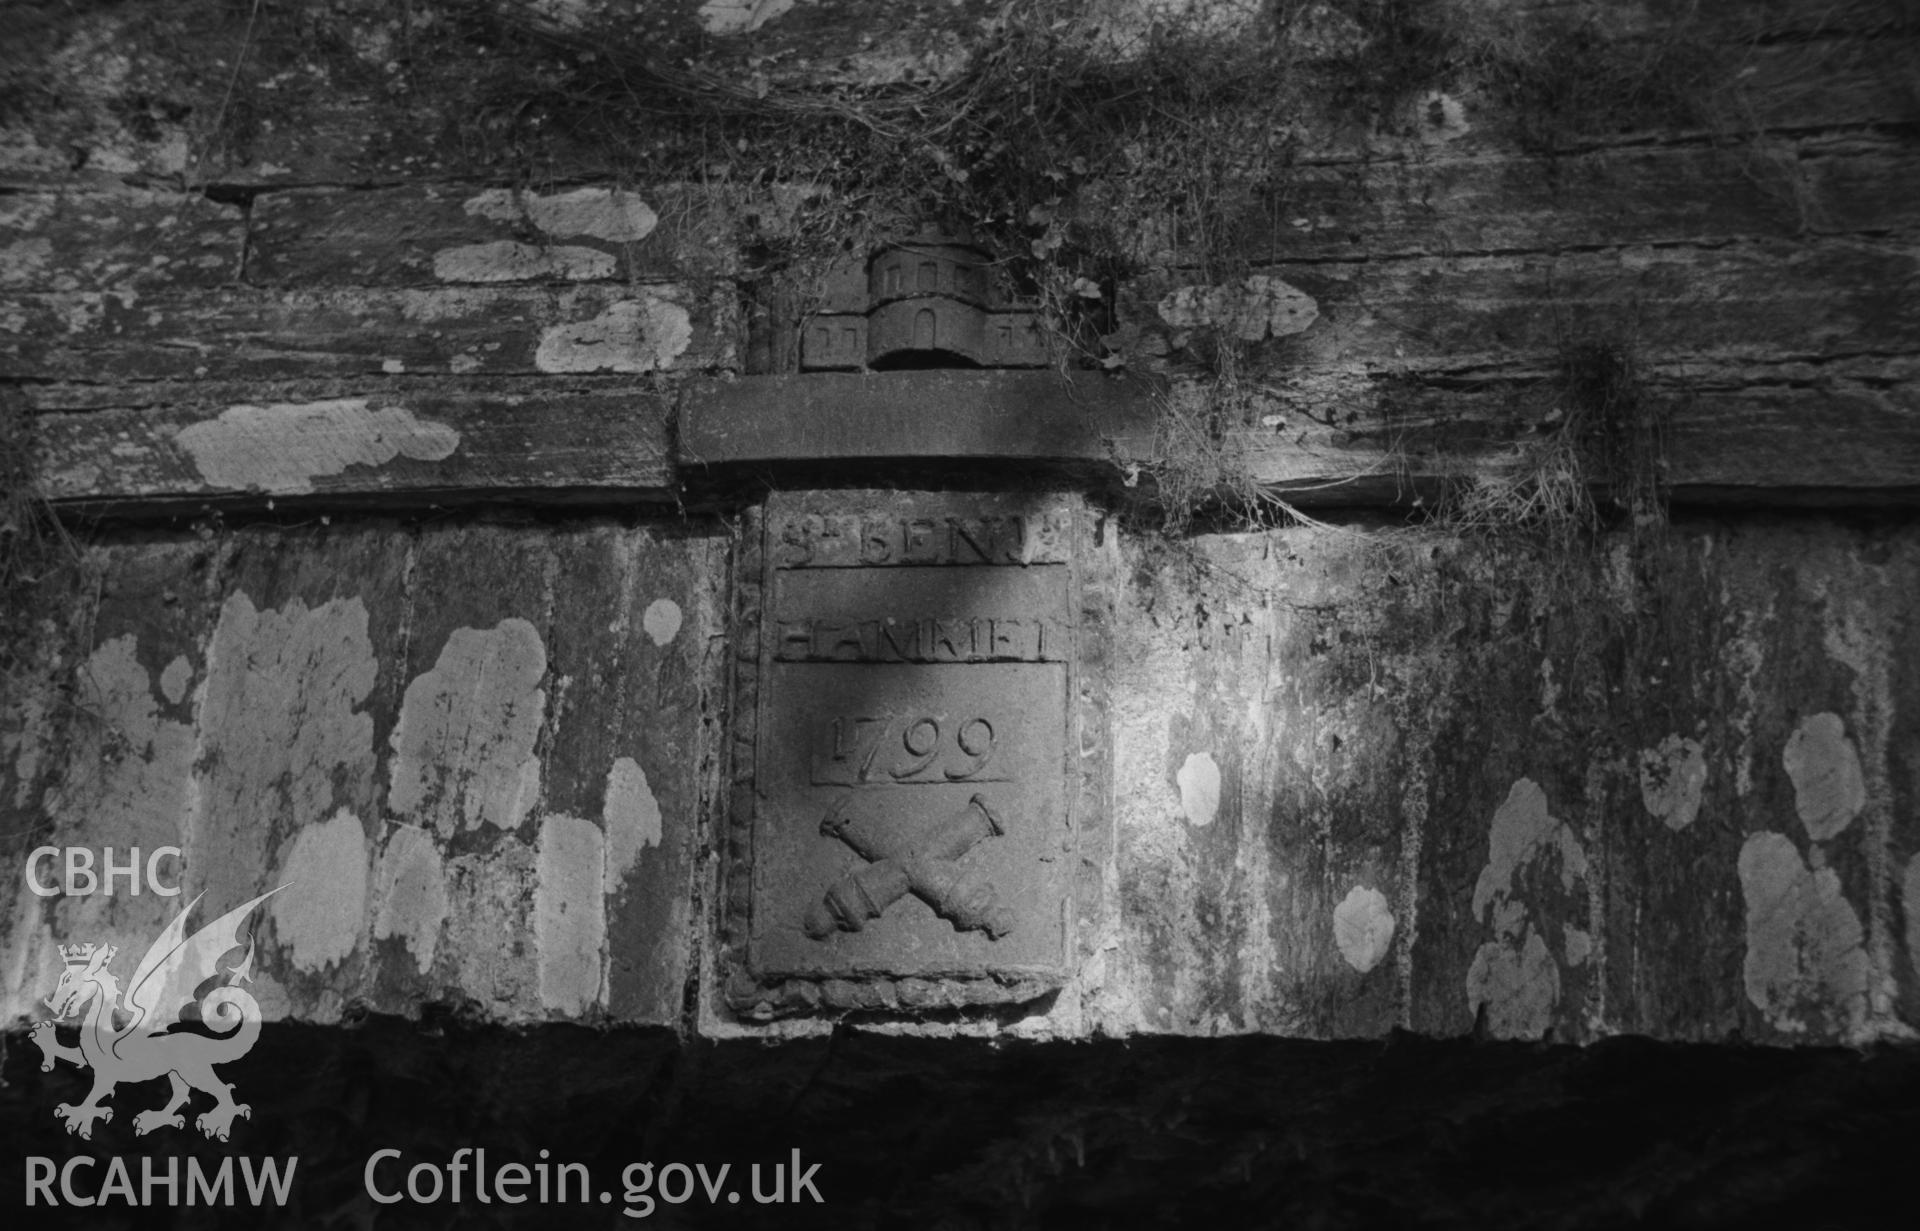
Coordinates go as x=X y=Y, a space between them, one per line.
x=749 y=998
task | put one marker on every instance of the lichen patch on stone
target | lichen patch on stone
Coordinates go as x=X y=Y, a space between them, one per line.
x=569 y=913
x=283 y=447
x=1520 y=987
x=130 y=770
x=1523 y=832
x=320 y=915
x=740 y=16
x=633 y=335
x=612 y=214
x=1828 y=788
x=176 y=677
x=632 y=817
x=1514 y=975
x=490 y=951
x=662 y=620
x=1363 y=927
x=1258 y=307
x=463 y=749
x=1199 y=783
x=281 y=730
x=412 y=891
x=510 y=261
x=1672 y=777
x=1806 y=963
x=1442 y=117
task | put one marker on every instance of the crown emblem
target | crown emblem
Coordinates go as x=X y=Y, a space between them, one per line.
x=82 y=955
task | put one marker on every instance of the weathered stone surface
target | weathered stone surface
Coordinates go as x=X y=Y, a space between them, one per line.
x=904 y=819
x=133 y=237
x=124 y=774
x=1731 y=433
x=433 y=737
x=450 y=234
x=507 y=330
x=287 y=727
x=1305 y=716
x=1360 y=786
x=1256 y=789
x=1738 y=443
x=437 y=444
x=402 y=100
x=630 y=649
x=1496 y=202
x=1746 y=302
x=1026 y=416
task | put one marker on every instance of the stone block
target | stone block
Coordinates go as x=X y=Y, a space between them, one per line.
x=909 y=830
x=958 y=415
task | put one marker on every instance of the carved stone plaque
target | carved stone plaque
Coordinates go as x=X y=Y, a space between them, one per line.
x=902 y=825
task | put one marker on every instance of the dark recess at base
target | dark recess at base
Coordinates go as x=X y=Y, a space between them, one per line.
x=1235 y=1132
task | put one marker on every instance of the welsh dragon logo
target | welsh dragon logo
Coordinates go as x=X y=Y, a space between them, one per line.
x=144 y=1044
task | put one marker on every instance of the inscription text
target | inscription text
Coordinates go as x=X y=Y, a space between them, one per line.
x=972 y=639
x=861 y=750
x=845 y=540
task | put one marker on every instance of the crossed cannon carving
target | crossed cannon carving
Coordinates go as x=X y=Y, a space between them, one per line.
x=897 y=866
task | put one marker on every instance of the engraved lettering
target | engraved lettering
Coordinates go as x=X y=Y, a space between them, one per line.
x=794 y=639
x=922 y=742
x=849 y=641
x=834 y=545
x=855 y=743
x=855 y=611
x=899 y=641
x=842 y=750
x=1046 y=536
x=950 y=640
x=917 y=543
x=1014 y=548
x=795 y=544
x=978 y=537
x=924 y=750
x=845 y=540
x=966 y=639
x=975 y=738
x=876 y=541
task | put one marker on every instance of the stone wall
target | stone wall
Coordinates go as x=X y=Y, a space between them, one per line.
x=362 y=221
x=433 y=460
x=436 y=736
x=1359 y=781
